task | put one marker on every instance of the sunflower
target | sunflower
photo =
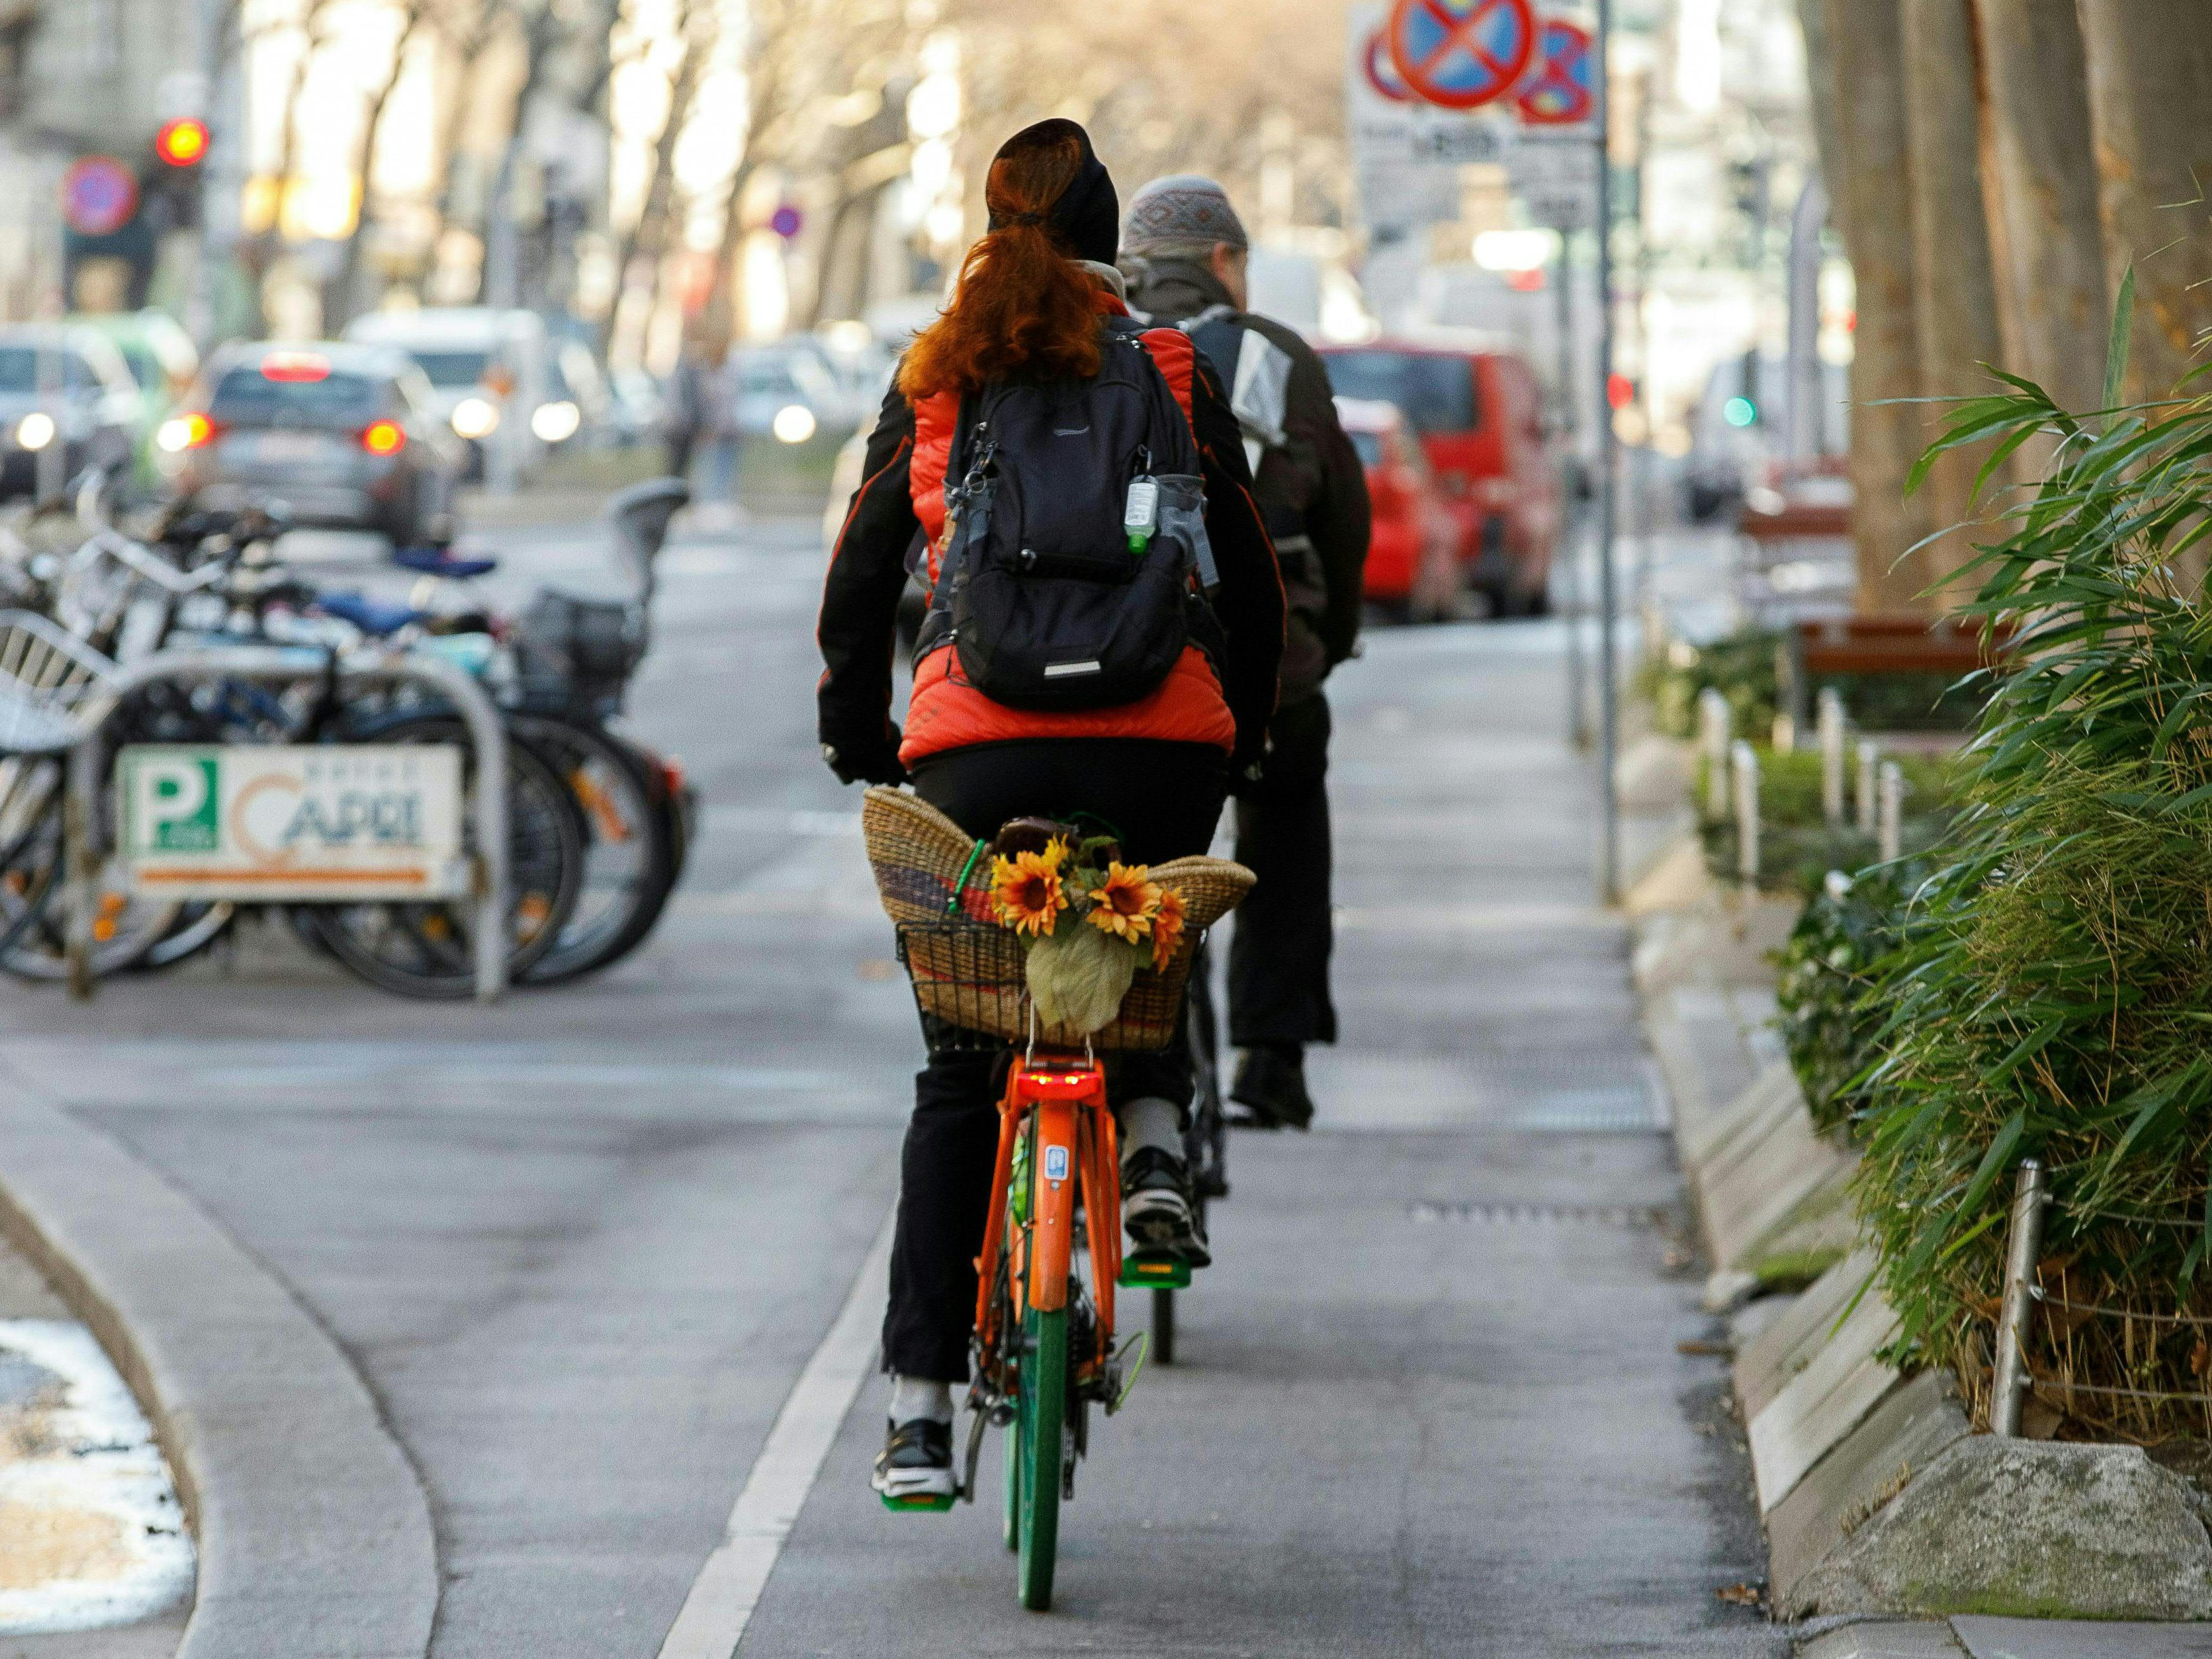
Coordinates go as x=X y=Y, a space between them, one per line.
x=1125 y=903
x=1025 y=888
x=1167 y=927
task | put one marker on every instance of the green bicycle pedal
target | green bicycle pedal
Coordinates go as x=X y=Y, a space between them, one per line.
x=927 y=1502
x=1162 y=1269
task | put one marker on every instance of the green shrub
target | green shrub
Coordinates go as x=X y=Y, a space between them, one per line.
x=1740 y=667
x=2054 y=995
x=1830 y=962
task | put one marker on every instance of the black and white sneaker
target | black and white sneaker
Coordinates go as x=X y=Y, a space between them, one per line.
x=1155 y=1209
x=914 y=1468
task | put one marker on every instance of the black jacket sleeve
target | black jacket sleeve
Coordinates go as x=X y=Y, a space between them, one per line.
x=1338 y=515
x=1250 y=603
x=858 y=627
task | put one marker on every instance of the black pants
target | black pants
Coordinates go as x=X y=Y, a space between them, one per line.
x=1162 y=800
x=1279 y=957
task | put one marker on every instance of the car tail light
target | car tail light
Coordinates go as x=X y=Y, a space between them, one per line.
x=383 y=438
x=188 y=431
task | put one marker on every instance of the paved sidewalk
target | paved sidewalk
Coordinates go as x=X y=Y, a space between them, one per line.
x=1430 y=1401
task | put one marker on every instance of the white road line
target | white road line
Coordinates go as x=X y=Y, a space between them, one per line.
x=728 y=1588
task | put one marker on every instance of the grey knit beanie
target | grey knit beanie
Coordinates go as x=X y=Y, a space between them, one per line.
x=1183 y=214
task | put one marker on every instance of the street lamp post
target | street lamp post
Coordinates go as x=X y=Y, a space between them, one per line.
x=1608 y=465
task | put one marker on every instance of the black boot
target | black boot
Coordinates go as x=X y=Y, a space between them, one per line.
x=1271 y=1084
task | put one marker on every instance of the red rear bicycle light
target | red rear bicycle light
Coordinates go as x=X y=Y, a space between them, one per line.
x=295 y=367
x=383 y=438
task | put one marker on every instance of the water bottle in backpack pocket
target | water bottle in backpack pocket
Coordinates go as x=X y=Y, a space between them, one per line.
x=1075 y=529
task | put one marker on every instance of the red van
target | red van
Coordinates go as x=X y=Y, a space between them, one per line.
x=1412 y=565
x=1480 y=416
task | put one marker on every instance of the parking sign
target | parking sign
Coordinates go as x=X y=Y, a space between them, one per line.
x=299 y=822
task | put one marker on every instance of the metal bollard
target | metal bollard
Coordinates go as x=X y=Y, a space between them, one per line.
x=1830 y=728
x=1889 y=831
x=1713 y=737
x=1870 y=760
x=2008 y=1384
x=1743 y=761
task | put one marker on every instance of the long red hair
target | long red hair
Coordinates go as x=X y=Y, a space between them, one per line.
x=1021 y=306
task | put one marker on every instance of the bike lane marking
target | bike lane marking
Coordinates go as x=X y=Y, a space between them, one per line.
x=722 y=1598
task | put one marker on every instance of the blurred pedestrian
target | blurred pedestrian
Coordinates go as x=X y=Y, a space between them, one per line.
x=1185 y=252
x=689 y=394
x=723 y=469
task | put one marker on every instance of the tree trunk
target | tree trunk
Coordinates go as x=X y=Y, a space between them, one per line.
x=343 y=286
x=2150 y=104
x=2040 y=186
x=1866 y=49
x=1954 y=291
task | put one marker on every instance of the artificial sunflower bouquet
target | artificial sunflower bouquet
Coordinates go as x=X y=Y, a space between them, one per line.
x=1086 y=921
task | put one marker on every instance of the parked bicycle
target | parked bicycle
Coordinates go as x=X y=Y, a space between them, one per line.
x=599 y=823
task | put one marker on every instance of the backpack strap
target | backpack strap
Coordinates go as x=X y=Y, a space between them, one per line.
x=1259 y=375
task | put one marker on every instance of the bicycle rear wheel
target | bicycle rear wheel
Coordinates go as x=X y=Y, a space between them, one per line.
x=427 y=949
x=1040 y=1428
x=630 y=854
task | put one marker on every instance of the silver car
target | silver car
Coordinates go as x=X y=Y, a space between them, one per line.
x=90 y=407
x=345 y=435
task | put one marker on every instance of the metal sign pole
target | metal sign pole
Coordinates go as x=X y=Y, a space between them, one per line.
x=1608 y=600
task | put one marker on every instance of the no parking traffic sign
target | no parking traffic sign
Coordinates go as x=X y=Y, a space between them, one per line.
x=1460 y=54
x=99 y=196
x=1558 y=92
x=1383 y=75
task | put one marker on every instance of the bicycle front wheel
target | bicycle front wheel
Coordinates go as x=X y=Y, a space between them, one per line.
x=1039 y=1427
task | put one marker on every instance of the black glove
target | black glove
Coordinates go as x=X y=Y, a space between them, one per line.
x=871 y=760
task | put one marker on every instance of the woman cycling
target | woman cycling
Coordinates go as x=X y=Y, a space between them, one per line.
x=1038 y=306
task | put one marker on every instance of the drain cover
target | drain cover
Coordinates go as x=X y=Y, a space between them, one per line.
x=1631 y=1216
x=1590 y=1110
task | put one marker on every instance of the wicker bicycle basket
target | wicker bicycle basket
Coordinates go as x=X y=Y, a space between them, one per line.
x=969 y=972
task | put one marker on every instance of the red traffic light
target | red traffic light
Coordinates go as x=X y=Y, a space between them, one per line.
x=1619 y=391
x=182 y=142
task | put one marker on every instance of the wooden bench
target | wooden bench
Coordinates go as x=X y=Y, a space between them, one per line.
x=1880 y=645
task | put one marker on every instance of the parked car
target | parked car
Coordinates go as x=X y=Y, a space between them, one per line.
x=491 y=373
x=162 y=362
x=1479 y=418
x=91 y=409
x=348 y=436
x=1412 y=569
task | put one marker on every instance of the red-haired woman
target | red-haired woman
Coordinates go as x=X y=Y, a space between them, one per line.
x=1038 y=304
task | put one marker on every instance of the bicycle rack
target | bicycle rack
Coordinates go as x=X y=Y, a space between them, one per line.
x=488 y=792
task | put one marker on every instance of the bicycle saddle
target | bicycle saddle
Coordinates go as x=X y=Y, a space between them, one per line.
x=440 y=562
x=377 y=617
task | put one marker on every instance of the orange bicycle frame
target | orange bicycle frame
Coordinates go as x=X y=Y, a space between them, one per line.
x=1077 y=1149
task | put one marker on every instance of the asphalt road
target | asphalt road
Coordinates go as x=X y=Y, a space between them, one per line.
x=581 y=1245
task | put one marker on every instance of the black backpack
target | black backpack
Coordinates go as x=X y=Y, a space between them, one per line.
x=1040 y=592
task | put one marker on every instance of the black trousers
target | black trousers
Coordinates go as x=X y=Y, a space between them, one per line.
x=1279 y=956
x=1161 y=800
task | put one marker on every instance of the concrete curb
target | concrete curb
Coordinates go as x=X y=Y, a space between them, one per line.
x=314 y=1534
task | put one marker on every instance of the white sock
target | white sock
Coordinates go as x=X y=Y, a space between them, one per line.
x=914 y=1397
x=1150 y=1122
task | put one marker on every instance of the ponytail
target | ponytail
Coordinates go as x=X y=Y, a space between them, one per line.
x=1021 y=306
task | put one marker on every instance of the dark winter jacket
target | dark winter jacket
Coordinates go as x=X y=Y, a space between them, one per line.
x=1310 y=486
